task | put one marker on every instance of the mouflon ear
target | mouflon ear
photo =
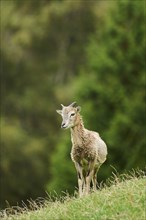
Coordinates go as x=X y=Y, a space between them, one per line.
x=78 y=108
x=73 y=104
x=59 y=112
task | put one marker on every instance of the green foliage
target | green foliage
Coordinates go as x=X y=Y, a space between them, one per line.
x=22 y=164
x=42 y=47
x=113 y=88
x=110 y=87
x=62 y=171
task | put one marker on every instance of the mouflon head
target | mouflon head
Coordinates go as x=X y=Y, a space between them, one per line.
x=69 y=115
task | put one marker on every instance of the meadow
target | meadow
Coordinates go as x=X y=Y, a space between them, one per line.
x=121 y=198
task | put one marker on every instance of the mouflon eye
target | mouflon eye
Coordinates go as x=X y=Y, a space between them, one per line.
x=72 y=114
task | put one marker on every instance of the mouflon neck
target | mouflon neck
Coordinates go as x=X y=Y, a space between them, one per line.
x=77 y=132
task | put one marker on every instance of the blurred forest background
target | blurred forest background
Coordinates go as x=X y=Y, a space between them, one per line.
x=60 y=51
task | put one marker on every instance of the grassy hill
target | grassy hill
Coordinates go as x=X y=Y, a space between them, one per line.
x=123 y=200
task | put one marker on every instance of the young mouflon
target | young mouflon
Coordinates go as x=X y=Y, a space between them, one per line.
x=88 y=152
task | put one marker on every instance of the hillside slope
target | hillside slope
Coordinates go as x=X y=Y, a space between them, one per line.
x=123 y=200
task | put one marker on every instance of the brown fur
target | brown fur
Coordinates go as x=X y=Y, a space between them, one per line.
x=88 y=149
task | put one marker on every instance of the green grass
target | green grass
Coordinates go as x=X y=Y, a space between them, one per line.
x=123 y=200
